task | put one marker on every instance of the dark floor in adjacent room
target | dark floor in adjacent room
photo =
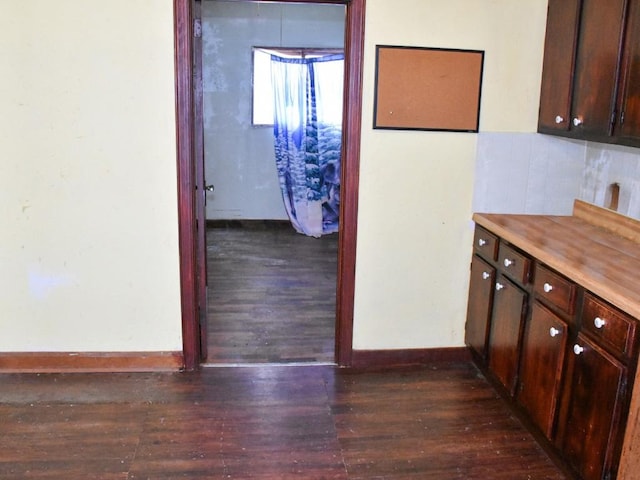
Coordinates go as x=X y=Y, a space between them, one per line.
x=264 y=422
x=271 y=295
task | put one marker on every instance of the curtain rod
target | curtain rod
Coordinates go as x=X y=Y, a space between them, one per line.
x=301 y=52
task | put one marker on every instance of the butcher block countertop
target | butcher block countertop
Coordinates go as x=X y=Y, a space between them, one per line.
x=595 y=247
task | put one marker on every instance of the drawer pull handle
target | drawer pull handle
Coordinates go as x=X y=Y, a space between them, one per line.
x=599 y=322
x=577 y=349
x=485 y=275
x=499 y=286
x=554 y=332
x=547 y=287
x=482 y=242
x=559 y=119
x=507 y=262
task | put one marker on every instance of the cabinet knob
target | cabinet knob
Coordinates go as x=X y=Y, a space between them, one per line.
x=577 y=349
x=547 y=287
x=507 y=262
x=559 y=119
x=554 y=332
x=499 y=286
x=482 y=242
x=577 y=121
x=599 y=322
x=485 y=275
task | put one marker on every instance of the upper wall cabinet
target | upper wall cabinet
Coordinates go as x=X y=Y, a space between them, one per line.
x=590 y=78
x=628 y=126
x=557 y=68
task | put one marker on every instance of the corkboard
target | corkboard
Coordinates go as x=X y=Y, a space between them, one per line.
x=427 y=88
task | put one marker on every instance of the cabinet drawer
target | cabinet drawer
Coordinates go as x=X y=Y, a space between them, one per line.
x=485 y=243
x=515 y=264
x=555 y=289
x=612 y=328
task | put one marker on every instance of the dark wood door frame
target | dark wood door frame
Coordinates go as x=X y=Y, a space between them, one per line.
x=187 y=186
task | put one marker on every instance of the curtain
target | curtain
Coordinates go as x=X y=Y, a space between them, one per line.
x=308 y=133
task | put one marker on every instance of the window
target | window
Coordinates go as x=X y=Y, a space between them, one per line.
x=262 y=102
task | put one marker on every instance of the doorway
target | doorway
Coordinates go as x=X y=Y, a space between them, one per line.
x=191 y=189
x=271 y=291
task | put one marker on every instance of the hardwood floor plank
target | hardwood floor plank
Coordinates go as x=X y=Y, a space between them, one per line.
x=443 y=421
x=271 y=296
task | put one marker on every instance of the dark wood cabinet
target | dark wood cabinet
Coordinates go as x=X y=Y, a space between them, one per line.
x=590 y=427
x=557 y=68
x=596 y=67
x=628 y=125
x=601 y=362
x=541 y=373
x=591 y=78
x=507 y=320
x=481 y=283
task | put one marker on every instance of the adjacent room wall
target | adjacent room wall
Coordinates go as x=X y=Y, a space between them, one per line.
x=239 y=157
x=88 y=243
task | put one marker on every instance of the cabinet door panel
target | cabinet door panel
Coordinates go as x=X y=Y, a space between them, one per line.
x=543 y=350
x=509 y=307
x=597 y=66
x=481 y=283
x=557 y=68
x=591 y=423
x=629 y=122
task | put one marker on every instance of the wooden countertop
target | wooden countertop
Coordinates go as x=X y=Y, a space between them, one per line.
x=597 y=248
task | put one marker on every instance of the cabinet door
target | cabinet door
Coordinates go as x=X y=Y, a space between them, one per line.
x=591 y=426
x=597 y=59
x=543 y=350
x=557 y=68
x=629 y=120
x=479 y=308
x=509 y=308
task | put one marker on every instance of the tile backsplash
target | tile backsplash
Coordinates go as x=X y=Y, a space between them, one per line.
x=542 y=174
x=608 y=164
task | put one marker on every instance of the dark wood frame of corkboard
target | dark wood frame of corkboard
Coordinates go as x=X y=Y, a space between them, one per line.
x=420 y=88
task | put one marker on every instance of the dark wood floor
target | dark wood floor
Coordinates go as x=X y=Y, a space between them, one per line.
x=265 y=422
x=271 y=296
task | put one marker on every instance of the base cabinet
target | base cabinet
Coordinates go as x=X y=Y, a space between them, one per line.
x=541 y=372
x=591 y=423
x=565 y=358
x=481 y=285
x=509 y=308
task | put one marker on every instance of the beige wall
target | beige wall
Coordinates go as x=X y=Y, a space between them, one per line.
x=88 y=240
x=414 y=229
x=88 y=243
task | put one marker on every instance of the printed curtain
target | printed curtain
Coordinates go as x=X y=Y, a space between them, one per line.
x=308 y=133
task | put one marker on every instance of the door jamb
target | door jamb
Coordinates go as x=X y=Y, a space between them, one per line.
x=186 y=182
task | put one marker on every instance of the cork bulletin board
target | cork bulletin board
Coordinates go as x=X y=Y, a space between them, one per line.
x=418 y=88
